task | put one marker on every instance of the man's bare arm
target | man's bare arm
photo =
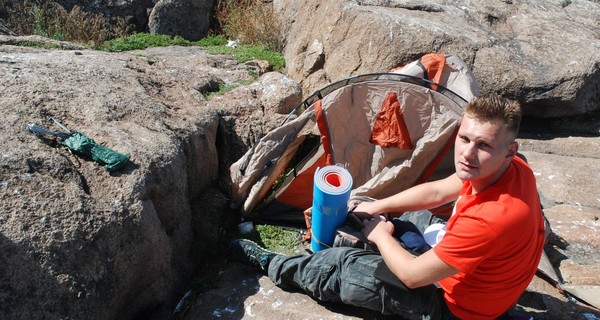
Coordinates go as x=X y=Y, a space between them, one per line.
x=423 y=196
x=413 y=271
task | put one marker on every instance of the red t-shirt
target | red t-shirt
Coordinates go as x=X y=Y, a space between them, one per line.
x=495 y=238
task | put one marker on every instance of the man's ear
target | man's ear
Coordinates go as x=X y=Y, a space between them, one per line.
x=512 y=150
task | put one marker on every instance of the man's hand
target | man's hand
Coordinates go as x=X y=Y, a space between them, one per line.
x=364 y=210
x=413 y=271
x=375 y=228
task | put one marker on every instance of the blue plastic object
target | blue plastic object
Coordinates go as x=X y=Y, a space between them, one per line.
x=331 y=192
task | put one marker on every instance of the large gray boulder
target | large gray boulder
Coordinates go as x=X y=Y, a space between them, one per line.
x=189 y=19
x=546 y=54
x=79 y=242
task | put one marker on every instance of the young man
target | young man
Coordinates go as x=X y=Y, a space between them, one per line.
x=486 y=259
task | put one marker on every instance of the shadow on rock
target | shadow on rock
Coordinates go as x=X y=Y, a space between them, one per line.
x=545 y=307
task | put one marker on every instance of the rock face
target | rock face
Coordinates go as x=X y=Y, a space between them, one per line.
x=100 y=243
x=546 y=54
x=77 y=241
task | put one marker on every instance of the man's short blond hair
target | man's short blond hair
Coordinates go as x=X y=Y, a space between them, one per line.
x=493 y=108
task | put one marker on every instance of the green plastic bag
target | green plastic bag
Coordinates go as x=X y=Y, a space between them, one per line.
x=86 y=146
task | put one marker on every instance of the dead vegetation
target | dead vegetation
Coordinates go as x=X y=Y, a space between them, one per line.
x=252 y=22
x=50 y=19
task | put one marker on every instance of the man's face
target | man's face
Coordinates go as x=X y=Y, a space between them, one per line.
x=482 y=151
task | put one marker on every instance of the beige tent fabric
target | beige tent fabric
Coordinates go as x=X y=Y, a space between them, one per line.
x=251 y=172
x=456 y=76
x=350 y=108
x=430 y=117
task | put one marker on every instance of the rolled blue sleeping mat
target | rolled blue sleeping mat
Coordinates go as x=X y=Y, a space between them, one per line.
x=331 y=192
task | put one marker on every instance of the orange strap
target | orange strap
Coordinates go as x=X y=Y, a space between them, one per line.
x=322 y=125
x=308 y=221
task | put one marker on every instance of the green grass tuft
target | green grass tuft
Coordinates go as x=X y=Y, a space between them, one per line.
x=246 y=53
x=277 y=239
x=212 y=41
x=223 y=89
x=212 y=44
x=139 y=41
